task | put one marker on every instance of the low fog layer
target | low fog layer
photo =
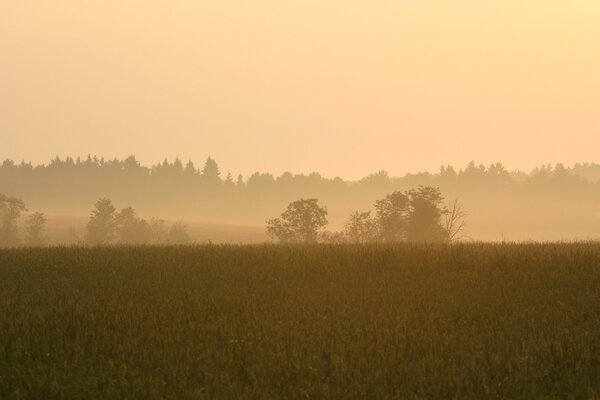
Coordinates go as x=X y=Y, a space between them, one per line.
x=548 y=203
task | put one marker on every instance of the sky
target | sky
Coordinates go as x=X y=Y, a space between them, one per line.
x=341 y=87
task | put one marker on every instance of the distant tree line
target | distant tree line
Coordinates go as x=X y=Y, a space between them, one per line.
x=550 y=198
x=415 y=215
x=10 y=211
x=70 y=180
x=105 y=226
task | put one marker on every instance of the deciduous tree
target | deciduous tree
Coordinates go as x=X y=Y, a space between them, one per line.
x=425 y=212
x=101 y=226
x=35 y=228
x=391 y=216
x=300 y=223
x=130 y=228
x=361 y=228
x=10 y=210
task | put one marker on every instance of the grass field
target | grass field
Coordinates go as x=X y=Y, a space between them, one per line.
x=469 y=321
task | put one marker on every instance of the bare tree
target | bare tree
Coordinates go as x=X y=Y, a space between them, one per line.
x=454 y=222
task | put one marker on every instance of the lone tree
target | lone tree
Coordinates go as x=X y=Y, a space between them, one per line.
x=300 y=223
x=424 y=222
x=101 y=226
x=10 y=210
x=35 y=228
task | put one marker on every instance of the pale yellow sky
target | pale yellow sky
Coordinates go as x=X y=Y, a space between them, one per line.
x=337 y=86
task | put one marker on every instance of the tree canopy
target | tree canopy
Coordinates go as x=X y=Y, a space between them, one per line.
x=300 y=223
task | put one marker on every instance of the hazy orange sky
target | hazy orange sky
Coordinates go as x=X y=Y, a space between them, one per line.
x=337 y=86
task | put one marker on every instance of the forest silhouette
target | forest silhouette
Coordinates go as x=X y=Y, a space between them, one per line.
x=548 y=203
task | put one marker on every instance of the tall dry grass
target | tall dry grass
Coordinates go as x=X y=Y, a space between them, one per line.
x=324 y=321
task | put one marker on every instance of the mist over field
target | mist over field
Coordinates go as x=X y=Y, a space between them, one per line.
x=548 y=203
x=300 y=199
x=331 y=91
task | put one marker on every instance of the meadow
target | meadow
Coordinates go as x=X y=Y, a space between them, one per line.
x=464 y=321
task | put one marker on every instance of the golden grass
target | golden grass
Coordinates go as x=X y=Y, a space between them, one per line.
x=325 y=321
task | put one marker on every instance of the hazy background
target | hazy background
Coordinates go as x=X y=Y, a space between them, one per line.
x=340 y=87
x=552 y=202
